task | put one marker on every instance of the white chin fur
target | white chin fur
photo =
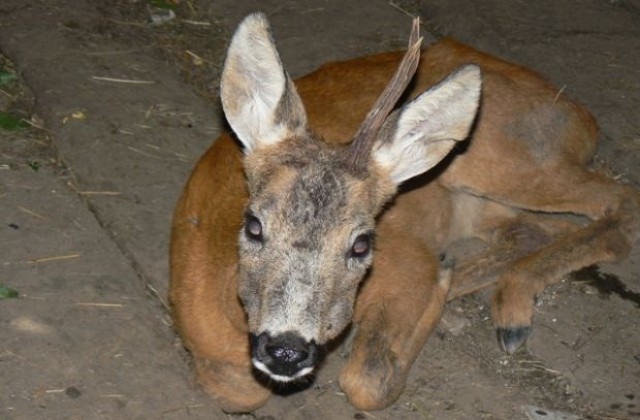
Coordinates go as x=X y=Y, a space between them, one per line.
x=279 y=378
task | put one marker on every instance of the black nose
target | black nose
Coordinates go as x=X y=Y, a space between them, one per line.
x=285 y=354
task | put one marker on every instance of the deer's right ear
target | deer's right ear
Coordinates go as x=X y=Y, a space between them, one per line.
x=258 y=97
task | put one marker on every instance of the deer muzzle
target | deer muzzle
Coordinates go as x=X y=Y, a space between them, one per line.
x=284 y=357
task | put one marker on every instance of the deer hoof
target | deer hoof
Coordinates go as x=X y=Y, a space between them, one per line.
x=511 y=339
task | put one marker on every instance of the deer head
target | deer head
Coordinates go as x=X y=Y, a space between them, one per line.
x=307 y=239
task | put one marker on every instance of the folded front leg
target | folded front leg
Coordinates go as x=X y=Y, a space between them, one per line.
x=232 y=385
x=399 y=305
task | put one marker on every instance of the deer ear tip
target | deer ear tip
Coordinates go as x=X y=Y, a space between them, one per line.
x=472 y=73
x=252 y=24
x=255 y=17
x=469 y=77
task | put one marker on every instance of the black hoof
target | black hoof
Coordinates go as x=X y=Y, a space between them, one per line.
x=511 y=339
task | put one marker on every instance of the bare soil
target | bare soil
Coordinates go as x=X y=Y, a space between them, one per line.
x=120 y=108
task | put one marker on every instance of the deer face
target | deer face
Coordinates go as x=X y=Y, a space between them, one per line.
x=307 y=239
x=306 y=244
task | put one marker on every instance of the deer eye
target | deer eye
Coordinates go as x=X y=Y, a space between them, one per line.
x=253 y=228
x=361 y=246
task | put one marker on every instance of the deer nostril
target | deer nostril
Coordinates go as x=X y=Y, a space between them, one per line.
x=286 y=354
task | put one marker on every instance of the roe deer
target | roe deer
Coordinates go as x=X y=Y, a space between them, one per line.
x=272 y=252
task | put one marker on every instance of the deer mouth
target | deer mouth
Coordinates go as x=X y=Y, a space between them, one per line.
x=285 y=357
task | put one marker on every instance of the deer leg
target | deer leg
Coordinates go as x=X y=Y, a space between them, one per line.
x=398 y=307
x=504 y=241
x=211 y=322
x=616 y=213
x=231 y=384
x=223 y=366
x=513 y=300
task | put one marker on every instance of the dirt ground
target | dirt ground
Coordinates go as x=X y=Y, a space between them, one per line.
x=121 y=99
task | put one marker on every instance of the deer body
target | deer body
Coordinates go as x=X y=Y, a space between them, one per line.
x=306 y=217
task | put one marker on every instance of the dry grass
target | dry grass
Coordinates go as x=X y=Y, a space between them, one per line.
x=53 y=258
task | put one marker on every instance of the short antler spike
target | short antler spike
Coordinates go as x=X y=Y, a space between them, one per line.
x=362 y=143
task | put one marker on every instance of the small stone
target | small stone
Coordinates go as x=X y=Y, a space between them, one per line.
x=72 y=392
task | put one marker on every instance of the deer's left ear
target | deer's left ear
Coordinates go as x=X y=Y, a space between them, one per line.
x=258 y=97
x=419 y=135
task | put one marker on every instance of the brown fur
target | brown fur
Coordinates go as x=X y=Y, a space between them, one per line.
x=528 y=152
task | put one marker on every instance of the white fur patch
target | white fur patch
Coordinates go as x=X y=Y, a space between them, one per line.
x=280 y=378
